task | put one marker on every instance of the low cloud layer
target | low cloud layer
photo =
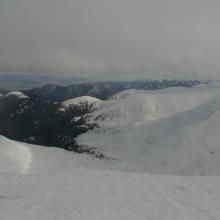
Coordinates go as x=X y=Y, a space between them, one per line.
x=132 y=38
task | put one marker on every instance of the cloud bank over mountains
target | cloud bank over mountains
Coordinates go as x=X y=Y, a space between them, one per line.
x=109 y=38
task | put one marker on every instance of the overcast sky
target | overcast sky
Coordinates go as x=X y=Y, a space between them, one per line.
x=135 y=38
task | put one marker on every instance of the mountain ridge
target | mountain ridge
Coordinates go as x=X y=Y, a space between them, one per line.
x=101 y=90
x=184 y=142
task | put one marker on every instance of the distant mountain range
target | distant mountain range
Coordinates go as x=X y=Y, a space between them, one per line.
x=101 y=90
x=18 y=81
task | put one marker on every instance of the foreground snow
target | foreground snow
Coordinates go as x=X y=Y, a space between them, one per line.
x=80 y=193
x=62 y=185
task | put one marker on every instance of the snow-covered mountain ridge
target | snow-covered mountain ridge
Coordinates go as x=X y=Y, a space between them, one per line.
x=134 y=105
x=83 y=99
x=173 y=131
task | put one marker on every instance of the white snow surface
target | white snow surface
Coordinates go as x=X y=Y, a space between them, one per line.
x=17 y=94
x=171 y=131
x=63 y=185
x=83 y=99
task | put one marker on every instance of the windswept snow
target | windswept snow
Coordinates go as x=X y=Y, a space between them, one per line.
x=83 y=99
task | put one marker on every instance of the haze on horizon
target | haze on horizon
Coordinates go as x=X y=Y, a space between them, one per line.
x=109 y=38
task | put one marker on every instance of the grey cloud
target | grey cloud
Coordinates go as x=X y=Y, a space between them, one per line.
x=134 y=38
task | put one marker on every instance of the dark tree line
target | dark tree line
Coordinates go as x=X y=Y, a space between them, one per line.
x=46 y=123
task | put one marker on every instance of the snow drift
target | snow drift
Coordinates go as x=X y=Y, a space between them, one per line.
x=21 y=158
x=14 y=157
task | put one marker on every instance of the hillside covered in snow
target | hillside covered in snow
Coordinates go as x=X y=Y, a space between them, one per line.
x=171 y=131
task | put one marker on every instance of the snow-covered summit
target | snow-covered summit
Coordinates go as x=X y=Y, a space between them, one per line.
x=83 y=99
x=16 y=94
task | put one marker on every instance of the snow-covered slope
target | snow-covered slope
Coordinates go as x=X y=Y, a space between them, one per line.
x=167 y=132
x=186 y=143
x=83 y=99
x=62 y=185
x=134 y=105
